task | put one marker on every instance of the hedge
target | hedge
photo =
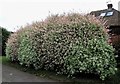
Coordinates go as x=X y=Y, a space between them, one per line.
x=68 y=44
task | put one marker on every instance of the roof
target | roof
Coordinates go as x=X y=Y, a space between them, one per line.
x=112 y=16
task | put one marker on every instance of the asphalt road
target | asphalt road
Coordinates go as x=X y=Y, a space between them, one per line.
x=10 y=74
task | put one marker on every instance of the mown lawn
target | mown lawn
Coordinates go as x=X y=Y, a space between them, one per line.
x=81 y=79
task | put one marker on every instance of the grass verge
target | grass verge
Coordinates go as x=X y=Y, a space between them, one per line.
x=82 y=78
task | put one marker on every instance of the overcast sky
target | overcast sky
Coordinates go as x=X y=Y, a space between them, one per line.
x=16 y=13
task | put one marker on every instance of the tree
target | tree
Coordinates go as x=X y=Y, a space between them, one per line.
x=4 y=34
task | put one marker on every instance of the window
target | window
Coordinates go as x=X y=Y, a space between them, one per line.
x=102 y=14
x=109 y=13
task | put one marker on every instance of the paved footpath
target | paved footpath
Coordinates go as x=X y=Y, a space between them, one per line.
x=10 y=74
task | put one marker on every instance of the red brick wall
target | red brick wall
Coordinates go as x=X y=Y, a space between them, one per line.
x=114 y=36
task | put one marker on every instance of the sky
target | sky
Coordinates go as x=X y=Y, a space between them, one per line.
x=17 y=13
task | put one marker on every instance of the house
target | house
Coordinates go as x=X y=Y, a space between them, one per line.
x=112 y=17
